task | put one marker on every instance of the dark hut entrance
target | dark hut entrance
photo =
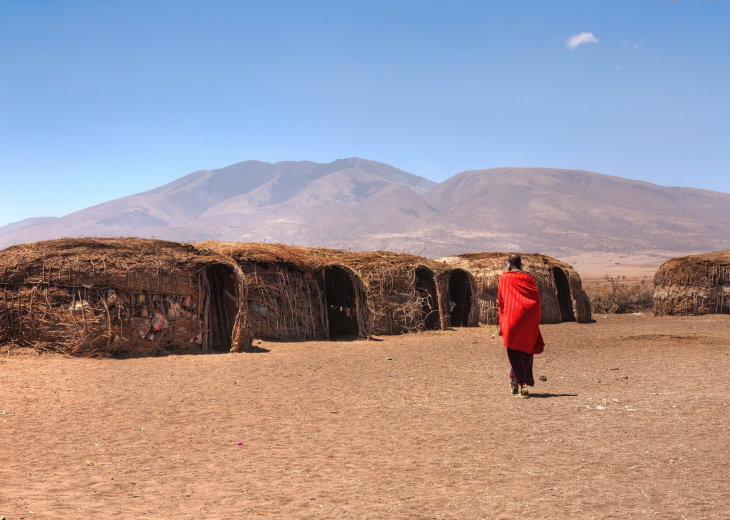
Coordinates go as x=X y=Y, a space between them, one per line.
x=564 y=300
x=222 y=306
x=426 y=290
x=341 y=303
x=459 y=298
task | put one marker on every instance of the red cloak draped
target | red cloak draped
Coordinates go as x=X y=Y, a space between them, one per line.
x=519 y=312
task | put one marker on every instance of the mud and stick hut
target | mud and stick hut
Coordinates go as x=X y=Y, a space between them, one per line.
x=97 y=297
x=693 y=285
x=403 y=290
x=561 y=291
x=296 y=293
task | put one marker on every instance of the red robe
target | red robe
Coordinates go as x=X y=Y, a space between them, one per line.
x=519 y=312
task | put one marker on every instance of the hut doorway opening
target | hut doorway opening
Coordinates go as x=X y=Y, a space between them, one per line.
x=426 y=290
x=459 y=298
x=222 y=306
x=341 y=303
x=564 y=300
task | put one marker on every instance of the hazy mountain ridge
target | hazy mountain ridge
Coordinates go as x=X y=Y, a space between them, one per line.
x=360 y=204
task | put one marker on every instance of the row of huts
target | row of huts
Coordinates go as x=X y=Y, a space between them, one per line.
x=111 y=296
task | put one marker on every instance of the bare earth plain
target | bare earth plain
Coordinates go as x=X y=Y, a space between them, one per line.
x=631 y=422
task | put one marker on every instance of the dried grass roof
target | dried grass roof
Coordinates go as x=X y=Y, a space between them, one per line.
x=702 y=270
x=132 y=263
x=313 y=258
x=498 y=261
x=302 y=258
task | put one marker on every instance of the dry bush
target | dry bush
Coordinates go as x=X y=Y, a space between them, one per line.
x=617 y=298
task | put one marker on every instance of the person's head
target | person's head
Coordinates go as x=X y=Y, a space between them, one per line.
x=514 y=262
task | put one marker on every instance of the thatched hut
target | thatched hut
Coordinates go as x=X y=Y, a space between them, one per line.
x=296 y=293
x=97 y=296
x=563 y=298
x=693 y=285
x=403 y=293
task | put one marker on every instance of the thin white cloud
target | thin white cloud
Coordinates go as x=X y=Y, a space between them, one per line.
x=579 y=39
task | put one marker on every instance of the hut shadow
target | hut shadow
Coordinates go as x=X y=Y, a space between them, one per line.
x=348 y=339
x=170 y=353
x=255 y=350
x=548 y=395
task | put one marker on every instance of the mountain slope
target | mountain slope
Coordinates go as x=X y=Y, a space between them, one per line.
x=360 y=204
x=171 y=211
x=574 y=209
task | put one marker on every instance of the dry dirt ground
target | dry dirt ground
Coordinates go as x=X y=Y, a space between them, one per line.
x=632 y=422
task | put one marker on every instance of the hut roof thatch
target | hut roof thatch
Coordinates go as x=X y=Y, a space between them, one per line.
x=693 y=284
x=310 y=259
x=701 y=270
x=489 y=262
x=132 y=263
x=305 y=259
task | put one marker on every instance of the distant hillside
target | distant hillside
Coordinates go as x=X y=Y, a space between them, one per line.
x=29 y=222
x=360 y=204
x=203 y=204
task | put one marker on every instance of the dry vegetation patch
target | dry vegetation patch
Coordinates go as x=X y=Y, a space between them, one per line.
x=619 y=296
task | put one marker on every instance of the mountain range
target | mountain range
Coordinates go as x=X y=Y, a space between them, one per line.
x=360 y=204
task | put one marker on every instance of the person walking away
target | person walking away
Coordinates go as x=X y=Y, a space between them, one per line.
x=519 y=323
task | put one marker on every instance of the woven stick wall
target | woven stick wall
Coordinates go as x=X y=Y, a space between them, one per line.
x=488 y=267
x=693 y=285
x=97 y=297
x=282 y=303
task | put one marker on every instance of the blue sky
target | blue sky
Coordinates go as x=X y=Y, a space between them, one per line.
x=102 y=99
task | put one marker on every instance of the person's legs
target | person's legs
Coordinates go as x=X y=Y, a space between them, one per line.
x=521 y=372
x=527 y=363
x=516 y=375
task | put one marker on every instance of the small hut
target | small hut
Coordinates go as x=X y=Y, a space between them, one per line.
x=296 y=293
x=693 y=285
x=110 y=296
x=403 y=290
x=561 y=292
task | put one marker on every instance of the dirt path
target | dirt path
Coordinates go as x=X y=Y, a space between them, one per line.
x=632 y=422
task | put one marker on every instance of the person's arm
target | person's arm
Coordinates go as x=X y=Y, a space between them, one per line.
x=500 y=305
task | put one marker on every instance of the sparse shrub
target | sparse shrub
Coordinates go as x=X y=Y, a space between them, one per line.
x=617 y=298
